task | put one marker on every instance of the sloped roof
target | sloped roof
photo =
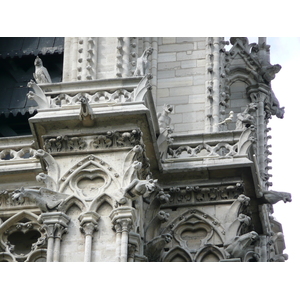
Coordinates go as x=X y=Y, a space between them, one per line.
x=19 y=46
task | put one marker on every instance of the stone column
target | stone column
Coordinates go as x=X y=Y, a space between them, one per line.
x=88 y=224
x=118 y=229
x=126 y=225
x=50 y=240
x=59 y=231
x=122 y=219
x=55 y=224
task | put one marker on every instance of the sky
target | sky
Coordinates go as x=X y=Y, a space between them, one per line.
x=285 y=163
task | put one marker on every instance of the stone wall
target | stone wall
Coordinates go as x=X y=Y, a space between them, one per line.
x=181 y=81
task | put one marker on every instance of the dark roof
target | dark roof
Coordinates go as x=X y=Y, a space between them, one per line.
x=19 y=46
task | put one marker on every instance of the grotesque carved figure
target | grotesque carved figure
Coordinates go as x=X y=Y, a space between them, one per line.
x=45 y=199
x=142 y=63
x=245 y=119
x=242 y=244
x=164 y=120
x=86 y=112
x=272 y=197
x=141 y=188
x=269 y=71
x=41 y=74
x=155 y=247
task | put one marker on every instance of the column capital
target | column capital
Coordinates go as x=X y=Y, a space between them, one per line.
x=123 y=214
x=51 y=218
x=88 y=228
x=89 y=217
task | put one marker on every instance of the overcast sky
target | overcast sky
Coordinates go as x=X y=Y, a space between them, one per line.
x=285 y=163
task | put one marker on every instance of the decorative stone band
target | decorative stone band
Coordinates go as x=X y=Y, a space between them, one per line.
x=194 y=195
x=14 y=154
x=99 y=141
x=207 y=150
x=97 y=92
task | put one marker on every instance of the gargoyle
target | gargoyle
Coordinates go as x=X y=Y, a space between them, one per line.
x=45 y=199
x=140 y=188
x=47 y=180
x=86 y=114
x=272 y=197
x=154 y=248
x=164 y=120
x=41 y=74
x=242 y=244
x=244 y=119
x=142 y=63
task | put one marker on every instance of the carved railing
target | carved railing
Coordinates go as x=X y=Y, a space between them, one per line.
x=213 y=149
x=105 y=92
x=14 y=154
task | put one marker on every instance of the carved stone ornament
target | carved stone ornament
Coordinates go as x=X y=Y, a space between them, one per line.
x=142 y=63
x=45 y=199
x=41 y=74
x=241 y=245
x=140 y=188
x=273 y=197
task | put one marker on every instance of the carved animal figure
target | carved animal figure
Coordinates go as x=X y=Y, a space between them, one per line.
x=244 y=119
x=164 y=120
x=154 y=248
x=272 y=197
x=45 y=199
x=41 y=74
x=142 y=63
x=47 y=180
x=242 y=244
x=86 y=114
x=141 y=188
x=227 y=120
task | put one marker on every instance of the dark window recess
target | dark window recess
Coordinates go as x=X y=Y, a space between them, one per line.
x=16 y=70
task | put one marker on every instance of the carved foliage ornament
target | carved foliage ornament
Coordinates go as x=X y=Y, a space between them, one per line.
x=109 y=139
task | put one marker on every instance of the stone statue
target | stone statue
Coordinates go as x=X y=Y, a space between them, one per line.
x=45 y=199
x=272 y=197
x=86 y=114
x=245 y=119
x=154 y=248
x=269 y=71
x=242 y=244
x=47 y=180
x=142 y=63
x=164 y=120
x=227 y=120
x=41 y=74
x=141 y=188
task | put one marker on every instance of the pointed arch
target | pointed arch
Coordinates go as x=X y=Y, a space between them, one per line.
x=6 y=257
x=39 y=255
x=73 y=200
x=197 y=220
x=178 y=254
x=210 y=253
x=100 y=200
x=18 y=217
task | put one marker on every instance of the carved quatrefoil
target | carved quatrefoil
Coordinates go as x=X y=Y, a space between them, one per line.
x=88 y=183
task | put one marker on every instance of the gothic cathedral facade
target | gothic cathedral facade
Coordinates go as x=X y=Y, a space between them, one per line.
x=137 y=149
